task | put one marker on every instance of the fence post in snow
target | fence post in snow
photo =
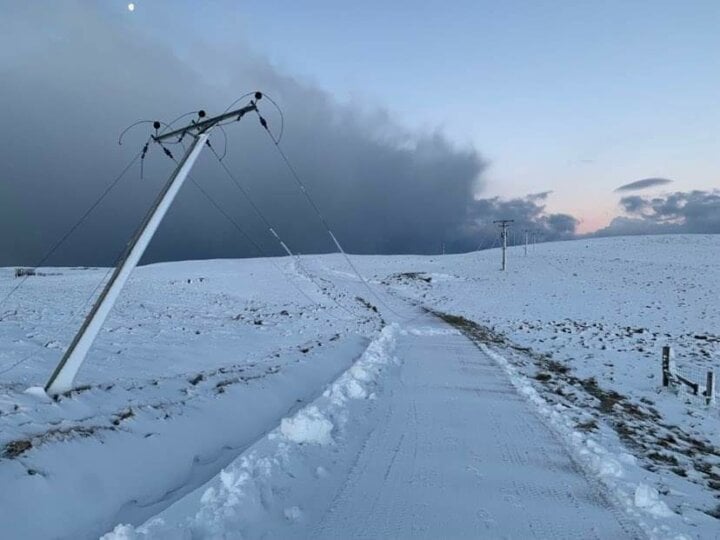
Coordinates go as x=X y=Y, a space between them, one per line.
x=666 y=351
x=710 y=388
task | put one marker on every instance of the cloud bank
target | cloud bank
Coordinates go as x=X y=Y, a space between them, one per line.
x=75 y=77
x=526 y=212
x=679 y=212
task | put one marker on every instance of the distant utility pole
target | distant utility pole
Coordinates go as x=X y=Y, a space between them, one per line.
x=527 y=232
x=504 y=224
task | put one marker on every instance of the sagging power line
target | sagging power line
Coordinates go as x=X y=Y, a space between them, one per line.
x=272 y=231
x=198 y=131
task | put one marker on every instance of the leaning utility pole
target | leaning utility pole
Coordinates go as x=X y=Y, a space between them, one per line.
x=63 y=376
x=504 y=224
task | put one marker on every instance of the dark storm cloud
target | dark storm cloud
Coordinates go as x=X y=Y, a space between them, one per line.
x=633 y=204
x=527 y=212
x=644 y=184
x=679 y=212
x=71 y=79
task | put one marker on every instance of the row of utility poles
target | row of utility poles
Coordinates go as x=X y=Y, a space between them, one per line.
x=504 y=225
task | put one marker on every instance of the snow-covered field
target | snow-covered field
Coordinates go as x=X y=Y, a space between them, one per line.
x=300 y=383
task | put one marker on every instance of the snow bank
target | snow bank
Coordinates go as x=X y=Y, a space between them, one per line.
x=269 y=484
x=640 y=501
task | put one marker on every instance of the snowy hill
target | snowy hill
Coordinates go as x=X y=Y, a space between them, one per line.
x=300 y=381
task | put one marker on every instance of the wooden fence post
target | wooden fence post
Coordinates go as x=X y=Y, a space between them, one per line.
x=666 y=365
x=710 y=388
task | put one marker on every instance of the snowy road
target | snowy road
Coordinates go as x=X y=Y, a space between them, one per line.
x=438 y=444
x=458 y=454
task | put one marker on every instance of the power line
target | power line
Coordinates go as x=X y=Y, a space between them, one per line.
x=274 y=233
x=485 y=244
x=262 y=252
x=322 y=219
x=65 y=324
x=257 y=246
x=75 y=226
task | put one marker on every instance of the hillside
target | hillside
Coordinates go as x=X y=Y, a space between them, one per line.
x=277 y=368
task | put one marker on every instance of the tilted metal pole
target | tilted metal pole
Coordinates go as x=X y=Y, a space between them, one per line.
x=64 y=375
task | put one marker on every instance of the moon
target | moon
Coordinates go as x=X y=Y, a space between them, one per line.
x=131 y=7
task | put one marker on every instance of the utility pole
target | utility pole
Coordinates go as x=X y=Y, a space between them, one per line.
x=527 y=232
x=504 y=224
x=63 y=377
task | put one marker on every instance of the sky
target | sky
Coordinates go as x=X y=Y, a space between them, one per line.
x=556 y=95
x=415 y=124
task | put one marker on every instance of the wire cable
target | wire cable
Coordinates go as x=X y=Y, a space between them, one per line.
x=312 y=203
x=485 y=242
x=225 y=138
x=238 y=100
x=65 y=324
x=124 y=131
x=260 y=250
x=274 y=233
x=74 y=227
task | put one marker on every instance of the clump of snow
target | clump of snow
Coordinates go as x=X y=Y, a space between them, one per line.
x=308 y=426
x=355 y=390
x=648 y=499
x=128 y=532
x=38 y=392
x=361 y=373
x=225 y=504
x=293 y=513
x=121 y=532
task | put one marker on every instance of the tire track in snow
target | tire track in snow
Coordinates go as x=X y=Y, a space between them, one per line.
x=426 y=459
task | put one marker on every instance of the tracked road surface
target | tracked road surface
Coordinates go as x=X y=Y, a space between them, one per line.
x=458 y=453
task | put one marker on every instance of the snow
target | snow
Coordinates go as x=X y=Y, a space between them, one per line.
x=605 y=464
x=449 y=468
x=235 y=503
x=223 y=402
x=648 y=499
x=38 y=392
x=181 y=381
x=307 y=426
